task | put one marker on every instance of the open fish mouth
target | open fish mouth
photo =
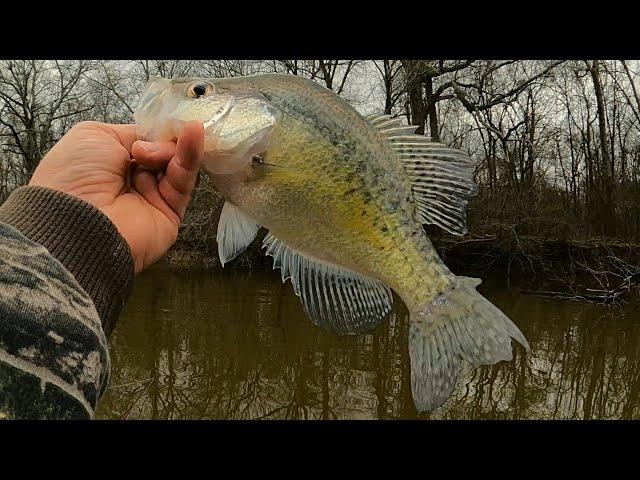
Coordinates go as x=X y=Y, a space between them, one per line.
x=237 y=125
x=148 y=115
x=153 y=95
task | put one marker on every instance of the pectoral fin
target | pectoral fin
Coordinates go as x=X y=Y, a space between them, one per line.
x=236 y=231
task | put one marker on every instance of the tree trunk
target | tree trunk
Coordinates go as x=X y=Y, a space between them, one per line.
x=431 y=109
x=605 y=183
x=417 y=108
x=388 y=87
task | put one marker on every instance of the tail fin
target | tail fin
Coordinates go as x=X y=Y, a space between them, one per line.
x=459 y=325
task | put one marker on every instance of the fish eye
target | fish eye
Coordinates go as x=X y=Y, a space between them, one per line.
x=198 y=90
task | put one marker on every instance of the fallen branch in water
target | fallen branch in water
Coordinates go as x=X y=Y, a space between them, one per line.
x=605 y=297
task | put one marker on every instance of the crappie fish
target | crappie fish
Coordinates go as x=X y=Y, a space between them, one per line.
x=344 y=199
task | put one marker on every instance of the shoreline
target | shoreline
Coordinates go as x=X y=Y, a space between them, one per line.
x=454 y=251
x=572 y=268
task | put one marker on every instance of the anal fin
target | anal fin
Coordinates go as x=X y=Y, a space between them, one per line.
x=335 y=298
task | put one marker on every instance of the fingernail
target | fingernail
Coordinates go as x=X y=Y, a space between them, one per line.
x=150 y=147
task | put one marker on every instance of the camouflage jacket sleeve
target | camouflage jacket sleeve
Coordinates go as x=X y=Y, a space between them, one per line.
x=65 y=273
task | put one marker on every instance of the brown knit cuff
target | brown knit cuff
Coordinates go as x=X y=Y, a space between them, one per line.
x=82 y=238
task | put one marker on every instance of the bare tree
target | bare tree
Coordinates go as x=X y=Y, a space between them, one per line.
x=36 y=97
x=391 y=75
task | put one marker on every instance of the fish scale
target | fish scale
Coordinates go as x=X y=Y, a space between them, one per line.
x=384 y=179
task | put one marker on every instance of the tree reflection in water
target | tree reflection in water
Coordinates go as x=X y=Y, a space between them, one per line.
x=202 y=345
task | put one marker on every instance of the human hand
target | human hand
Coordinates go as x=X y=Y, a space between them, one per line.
x=101 y=164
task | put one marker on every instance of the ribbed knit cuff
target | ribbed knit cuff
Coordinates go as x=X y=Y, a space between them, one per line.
x=80 y=237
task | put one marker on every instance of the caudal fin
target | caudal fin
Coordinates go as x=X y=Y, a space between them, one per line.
x=459 y=325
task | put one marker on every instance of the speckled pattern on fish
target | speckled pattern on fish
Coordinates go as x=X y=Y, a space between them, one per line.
x=344 y=198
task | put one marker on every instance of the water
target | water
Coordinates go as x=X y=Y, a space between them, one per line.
x=206 y=345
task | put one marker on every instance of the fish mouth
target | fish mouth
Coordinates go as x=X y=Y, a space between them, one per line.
x=237 y=125
x=153 y=96
x=151 y=105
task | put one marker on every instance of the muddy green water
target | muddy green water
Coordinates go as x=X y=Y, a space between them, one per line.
x=206 y=345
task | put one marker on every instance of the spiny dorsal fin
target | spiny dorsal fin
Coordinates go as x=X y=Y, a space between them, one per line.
x=442 y=177
x=335 y=298
x=236 y=231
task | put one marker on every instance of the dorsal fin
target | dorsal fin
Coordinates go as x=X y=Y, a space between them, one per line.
x=236 y=231
x=335 y=298
x=442 y=177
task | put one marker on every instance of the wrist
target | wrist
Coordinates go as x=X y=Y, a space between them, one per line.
x=80 y=237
